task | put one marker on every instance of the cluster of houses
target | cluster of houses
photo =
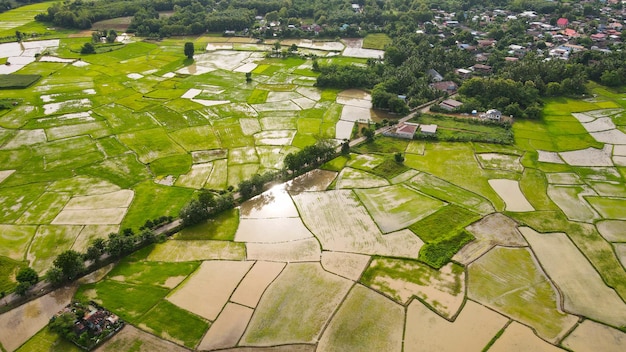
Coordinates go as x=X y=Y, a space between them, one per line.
x=559 y=36
x=97 y=322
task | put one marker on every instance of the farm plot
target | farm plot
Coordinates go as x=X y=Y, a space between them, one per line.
x=365 y=161
x=305 y=250
x=348 y=265
x=228 y=328
x=208 y=289
x=271 y=230
x=443 y=290
x=354 y=178
x=398 y=206
x=256 y=281
x=588 y=157
x=282 y=318
x=612 y=230
x=19 y=324
x=365 y=321
x=572 y=201
x=448 y=192
x=274 y=203
x=493 y=229
x=592 y=336
x=512 y=195
x=135 y=301
x=314 y=180
x=564 y=178
x=472 y=329
x=89 y=233
x=184 y=251
x=26 y=138
x=609 y=208
x=565 y=265
x=196 y=138
x=500 y=161
x=342 y=224
x=509 y=281
x=197 y=176
x=14 y=240
x=166 y=275
x=517 y=337
x=131 y=338
x=151 y=144
x=49 y=242
x=187 y=331
x=101 y=209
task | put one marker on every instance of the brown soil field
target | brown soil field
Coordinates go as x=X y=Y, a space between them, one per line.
x=471 y=331
x=518 y=337
x=208 y=289
x=256 y=281
x=228 y=328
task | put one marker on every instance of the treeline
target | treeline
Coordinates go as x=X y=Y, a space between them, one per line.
x=511 y=97
x=551 y=77
x=70 y=264
x=606 y=68
x=346 y=76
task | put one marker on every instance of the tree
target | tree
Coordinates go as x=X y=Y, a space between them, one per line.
x=189 y=50
x=18 y=35
x=22 y=288
x=88 y=48
x=399 y=158
x=248 y=77
x=368 y=133
x=27 y=275
x=345 y=147
x=70 y=263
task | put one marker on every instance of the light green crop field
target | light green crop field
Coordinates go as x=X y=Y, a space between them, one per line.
x=141 y=117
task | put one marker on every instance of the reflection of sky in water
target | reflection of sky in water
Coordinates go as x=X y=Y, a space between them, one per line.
x=274 y=203
x=277 y=203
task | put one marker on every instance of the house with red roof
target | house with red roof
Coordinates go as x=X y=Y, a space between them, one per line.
x=562 y=22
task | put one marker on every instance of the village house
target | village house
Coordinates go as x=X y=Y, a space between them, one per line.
x=428 y=129
x=482 y=69
x=445 y=86
x=492 y=114
x=450 y=104
x=406 y=130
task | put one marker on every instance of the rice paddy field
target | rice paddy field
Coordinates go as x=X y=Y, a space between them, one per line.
x=330 y=261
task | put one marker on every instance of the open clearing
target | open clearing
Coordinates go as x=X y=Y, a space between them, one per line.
x=132 y=338
x=348 y=265
x=251 y=288
x=565 y=265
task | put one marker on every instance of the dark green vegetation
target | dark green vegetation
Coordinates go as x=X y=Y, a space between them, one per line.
x=447 y=220
x=8 y=269
x=17 y=81
x=465 y=129
x=439 y=252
